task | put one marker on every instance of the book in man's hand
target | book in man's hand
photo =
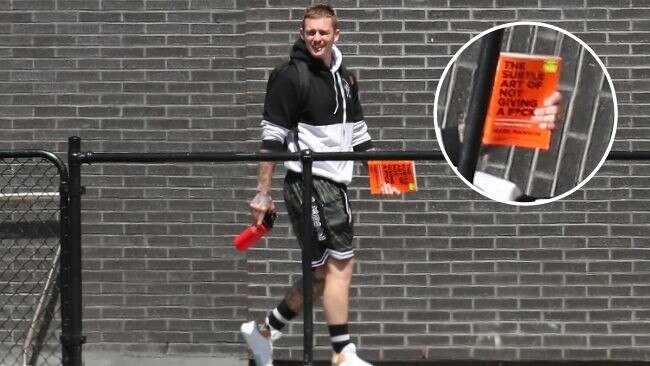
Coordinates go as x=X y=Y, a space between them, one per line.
x=522 y=83
x=399 y=173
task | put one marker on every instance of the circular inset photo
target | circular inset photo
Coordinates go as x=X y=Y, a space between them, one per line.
x=525 y=113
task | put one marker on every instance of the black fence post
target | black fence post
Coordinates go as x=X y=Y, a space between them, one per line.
x=71 y=306
x=478 y=105
x=306 y=234
x=64 y=264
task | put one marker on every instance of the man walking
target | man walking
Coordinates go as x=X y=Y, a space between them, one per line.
x=325 y=117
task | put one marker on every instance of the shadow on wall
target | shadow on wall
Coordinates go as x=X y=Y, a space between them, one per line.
x=578 y=143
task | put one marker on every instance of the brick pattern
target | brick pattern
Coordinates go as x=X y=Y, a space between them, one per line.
x=442 y=274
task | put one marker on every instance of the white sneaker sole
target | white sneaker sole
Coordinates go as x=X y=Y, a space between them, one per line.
x=253 y=337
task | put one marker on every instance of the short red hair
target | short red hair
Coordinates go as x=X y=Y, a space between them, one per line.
x=320 y=11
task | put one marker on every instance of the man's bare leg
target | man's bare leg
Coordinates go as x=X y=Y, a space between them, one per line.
x=336 y=300
x=294 y=300
x=336 y=293
x=294 y=295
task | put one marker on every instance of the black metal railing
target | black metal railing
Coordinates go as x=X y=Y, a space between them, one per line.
x=69 y=208
x=77 y=158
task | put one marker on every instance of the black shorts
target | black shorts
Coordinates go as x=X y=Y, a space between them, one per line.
x=331 y=217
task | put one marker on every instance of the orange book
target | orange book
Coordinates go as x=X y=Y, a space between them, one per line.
x=521 y=84
x=399 y=173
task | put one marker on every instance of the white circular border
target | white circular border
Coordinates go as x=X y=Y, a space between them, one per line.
x=439 y=133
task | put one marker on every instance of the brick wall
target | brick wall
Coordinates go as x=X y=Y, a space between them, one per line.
x=441 y=273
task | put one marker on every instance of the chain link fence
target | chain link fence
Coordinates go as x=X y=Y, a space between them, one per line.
x=29 y=262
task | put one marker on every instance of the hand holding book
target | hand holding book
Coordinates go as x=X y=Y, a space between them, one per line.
x=547 y=116
x=389 y=189
x=523 y=106
x=391 y=177
x=550 y=113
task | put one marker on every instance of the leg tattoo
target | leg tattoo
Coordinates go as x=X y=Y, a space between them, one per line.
x=292 y=304
x=294 y=296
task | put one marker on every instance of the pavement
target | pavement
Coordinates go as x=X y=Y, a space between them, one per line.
x=111 y=359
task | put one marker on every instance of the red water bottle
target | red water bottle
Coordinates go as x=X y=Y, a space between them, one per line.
x=253 y=233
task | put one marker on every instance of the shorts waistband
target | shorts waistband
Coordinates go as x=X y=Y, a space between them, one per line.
x=295 y=175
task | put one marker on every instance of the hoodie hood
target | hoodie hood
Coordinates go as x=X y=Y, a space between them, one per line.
x=331 y=121
x=300 y=52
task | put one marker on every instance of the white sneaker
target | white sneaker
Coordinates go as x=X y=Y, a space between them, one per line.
x=260 y=345
x=348 y=357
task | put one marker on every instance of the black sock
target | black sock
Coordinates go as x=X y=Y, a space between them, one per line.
x=340 y=336
x=281 y=316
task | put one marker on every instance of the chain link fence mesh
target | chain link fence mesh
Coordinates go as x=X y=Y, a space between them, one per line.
x=29 y=262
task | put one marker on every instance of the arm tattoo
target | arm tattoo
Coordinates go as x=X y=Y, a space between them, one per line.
x=265 y=176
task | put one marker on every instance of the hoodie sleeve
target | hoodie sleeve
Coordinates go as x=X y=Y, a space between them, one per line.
x=281 y=111
x=361 y=140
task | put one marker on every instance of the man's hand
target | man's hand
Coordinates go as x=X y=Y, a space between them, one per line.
x=389 y=189
x=386 y=188
x=549 y=114
x=260 y=205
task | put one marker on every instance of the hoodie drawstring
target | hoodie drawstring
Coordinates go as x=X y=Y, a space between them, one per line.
x=343 y=96
x=338 y=82
x=336 y=93
x=338 y=85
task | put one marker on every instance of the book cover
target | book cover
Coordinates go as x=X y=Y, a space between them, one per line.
x=521 y=84
x=399 y=173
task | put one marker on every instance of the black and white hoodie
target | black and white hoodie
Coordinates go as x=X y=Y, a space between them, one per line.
x=332 y=119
